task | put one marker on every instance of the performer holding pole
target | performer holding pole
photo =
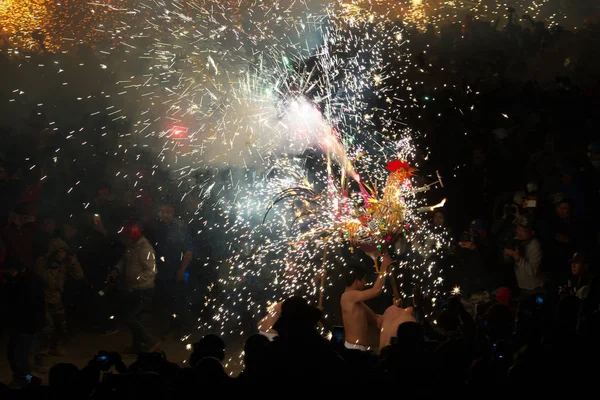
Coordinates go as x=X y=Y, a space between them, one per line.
x=392 y=279
x=356 y=315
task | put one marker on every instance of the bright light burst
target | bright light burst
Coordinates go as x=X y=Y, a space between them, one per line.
x=289 y=104
x=244 y=102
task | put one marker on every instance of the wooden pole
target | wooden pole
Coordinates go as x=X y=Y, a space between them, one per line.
x=394 y=286
x=322 y=285
x=392 y=278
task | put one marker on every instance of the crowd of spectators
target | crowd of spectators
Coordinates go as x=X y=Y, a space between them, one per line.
x=514 y=107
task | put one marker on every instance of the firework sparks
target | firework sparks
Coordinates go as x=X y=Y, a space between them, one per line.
x=53 y=26
x=246 y=102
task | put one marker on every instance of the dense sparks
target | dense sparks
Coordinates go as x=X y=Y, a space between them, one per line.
x=422 y=14
x=54 y=26
x=304 y=112
x=276 y=120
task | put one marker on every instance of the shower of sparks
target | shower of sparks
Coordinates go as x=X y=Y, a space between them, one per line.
x=240 y=101
x=53 y=26
x=421 y=14
x=246 y=109
x=61 y=25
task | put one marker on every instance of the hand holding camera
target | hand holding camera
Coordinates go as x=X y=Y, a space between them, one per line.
x=106 y=359
x=567 y=290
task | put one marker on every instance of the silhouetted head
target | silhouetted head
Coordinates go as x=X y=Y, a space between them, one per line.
x=448 y=320
x=410 y=336
x=62 y=375
x=211 y=371
x=296 y=315
x=255 y=350
x=210 y=345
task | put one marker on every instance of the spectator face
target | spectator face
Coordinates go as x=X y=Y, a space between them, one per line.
x=362 y=283
x=578 y=268
x=563 y=210
x=566 y=178
x=521 y=202
x=3 y=174
x=166 y=214
x=61 y=255
x=524 y=234
x=438 y=219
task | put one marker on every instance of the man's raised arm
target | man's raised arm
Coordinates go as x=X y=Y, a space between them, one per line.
x=363 y=295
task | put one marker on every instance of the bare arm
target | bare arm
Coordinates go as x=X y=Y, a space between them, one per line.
x=372 y=318
x=357 y=296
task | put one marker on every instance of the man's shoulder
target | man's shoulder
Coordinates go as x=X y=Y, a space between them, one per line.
x=391 y=311
x=347 y=295
x=350 y=299
x=145 y=244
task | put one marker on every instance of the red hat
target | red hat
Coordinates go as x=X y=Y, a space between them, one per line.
x=503 y=296
x=132 y=231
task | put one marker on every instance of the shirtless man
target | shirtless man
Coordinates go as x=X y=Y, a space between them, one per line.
x=393 y=316
x=356 y=315
x=265 y=325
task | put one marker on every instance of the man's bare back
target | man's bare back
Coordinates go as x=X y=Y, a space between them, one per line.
x=392 y=318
